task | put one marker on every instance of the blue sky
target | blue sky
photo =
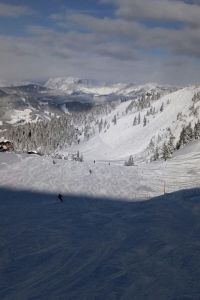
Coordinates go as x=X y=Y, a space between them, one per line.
x=42 y=10
x=110 y=40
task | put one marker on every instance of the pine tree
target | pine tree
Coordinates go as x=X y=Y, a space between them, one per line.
x=171 y=143
x=135 y=121
x=139 y=118
x=130 y=161
x=114 y=120
x=187 y=134
x=144 y=121
x=162 y=107
x=181 y=140
x=100 y=125
x=165 y=152
x=156 y=154
x=197 y=130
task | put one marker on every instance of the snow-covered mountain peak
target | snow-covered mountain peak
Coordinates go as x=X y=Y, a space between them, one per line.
x=70 y=85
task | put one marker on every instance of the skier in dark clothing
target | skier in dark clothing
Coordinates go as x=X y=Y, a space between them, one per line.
x=60 y=197
x=90 y=171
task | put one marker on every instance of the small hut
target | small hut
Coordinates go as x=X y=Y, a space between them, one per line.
x=6 y=146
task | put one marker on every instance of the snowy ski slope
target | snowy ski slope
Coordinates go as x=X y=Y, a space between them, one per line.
x=114 y=180
x=91 y=247
x=124 y=139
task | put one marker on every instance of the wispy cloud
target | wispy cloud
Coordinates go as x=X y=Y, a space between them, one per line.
x=14 y=11
x=163 y=10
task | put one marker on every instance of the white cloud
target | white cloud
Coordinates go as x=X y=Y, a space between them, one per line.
x=162 y=10
x=114 y=49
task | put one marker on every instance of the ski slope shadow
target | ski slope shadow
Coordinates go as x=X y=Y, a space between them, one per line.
x=86 y=248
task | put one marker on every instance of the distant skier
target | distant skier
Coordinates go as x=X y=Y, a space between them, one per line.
x=90 y=171
x=94 y=161
x=60 y=197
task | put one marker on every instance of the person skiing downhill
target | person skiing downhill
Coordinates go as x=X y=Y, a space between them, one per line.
x=60 y=197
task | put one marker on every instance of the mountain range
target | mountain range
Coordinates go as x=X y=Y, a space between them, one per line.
x=31 y=102
x=139 y=118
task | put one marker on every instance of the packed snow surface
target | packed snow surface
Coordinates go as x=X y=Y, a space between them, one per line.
x=108 y=179
x=90 y=246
